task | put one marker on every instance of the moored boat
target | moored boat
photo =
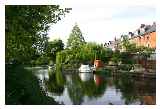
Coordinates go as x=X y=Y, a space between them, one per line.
x=85 y=68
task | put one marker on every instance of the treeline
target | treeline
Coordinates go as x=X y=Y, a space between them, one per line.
x=79 y=51
x=76 y=51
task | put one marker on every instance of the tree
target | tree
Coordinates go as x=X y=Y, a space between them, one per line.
x=26 y=29
x=54 y=47
x=127 y=45
x=75 y=38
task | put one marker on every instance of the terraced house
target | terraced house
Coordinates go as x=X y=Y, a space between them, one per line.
x=145 y=35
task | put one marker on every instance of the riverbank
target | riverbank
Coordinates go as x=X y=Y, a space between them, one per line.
x=22 y=87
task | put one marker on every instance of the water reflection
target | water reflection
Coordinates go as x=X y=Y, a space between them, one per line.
x=89 y=88
x=54 y=86
x=86 y=76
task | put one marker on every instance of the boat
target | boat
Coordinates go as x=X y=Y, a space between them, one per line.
x=85 y=68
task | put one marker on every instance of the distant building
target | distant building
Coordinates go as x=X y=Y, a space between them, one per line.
x=110 y=45
x=114 y=45
x=145 y=35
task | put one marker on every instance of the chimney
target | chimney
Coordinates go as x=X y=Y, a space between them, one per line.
x=154 y=23
x=142 y=25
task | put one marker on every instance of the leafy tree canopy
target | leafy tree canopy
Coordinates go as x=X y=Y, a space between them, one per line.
x=26 y=29
x=76 y=38
x=54 y=47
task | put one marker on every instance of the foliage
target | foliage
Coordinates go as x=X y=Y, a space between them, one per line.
x=116 y=57
x=127 y=87
x=26 y=30
x=54 y=47
x=129 y=47
x=75 y=90
x=78 y=89
x=127 y=58
x=86 y=53
x=145 y=51
x=59 y=75
x=53 y=86
x=41 y=60
x=76 y=38
x=22 y=87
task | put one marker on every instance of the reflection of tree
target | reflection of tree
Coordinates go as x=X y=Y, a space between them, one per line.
x=127 y=88
x=54 y=86
x=56 y=78
x=89 y=88
x=75 y=90
x=92 y=90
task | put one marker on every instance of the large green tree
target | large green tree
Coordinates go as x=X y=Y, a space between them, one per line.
x=54 y=47
x=26 y=29
x=76 y=38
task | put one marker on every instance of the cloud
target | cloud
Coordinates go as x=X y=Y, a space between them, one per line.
x=100 y=22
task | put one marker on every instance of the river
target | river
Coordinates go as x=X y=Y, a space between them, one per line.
x=97 y=89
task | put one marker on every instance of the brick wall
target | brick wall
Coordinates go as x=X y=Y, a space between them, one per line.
x=147 y=40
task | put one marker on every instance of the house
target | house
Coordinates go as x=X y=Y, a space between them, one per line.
x=145 y=35
x=113 y=45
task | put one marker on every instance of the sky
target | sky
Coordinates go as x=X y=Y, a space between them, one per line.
x=102 y=21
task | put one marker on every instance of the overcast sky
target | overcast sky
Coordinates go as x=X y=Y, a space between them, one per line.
x=101 y=21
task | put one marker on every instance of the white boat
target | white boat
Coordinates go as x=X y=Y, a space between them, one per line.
x=85 y=68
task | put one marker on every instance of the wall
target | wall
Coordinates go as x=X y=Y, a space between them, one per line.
x=147 y=40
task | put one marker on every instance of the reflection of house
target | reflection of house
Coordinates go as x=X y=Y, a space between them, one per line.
x=149 y=100
x=143 y=36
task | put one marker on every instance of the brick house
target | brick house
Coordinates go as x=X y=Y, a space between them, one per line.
x=146 y=36
x=143 y=36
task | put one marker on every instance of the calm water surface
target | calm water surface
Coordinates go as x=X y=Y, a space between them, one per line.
x=97 y=89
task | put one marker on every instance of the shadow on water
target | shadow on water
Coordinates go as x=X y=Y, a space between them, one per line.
x=22 y=87
x=100 y=88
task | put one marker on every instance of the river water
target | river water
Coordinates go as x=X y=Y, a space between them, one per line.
x=97 y=89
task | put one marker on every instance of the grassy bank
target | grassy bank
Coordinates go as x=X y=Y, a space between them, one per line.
x=22 y=87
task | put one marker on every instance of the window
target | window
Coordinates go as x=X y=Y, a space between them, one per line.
x=147 y=37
